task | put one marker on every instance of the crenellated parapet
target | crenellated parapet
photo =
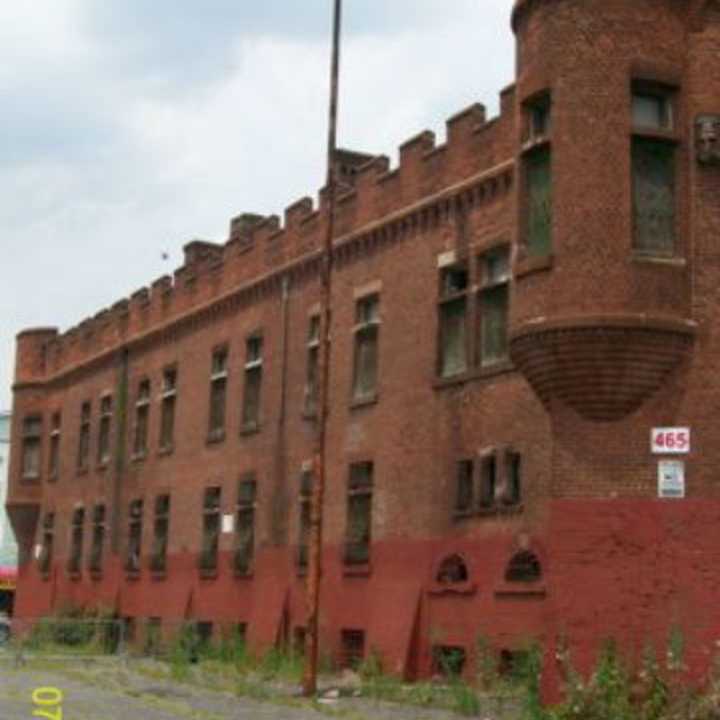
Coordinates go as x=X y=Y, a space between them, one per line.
x=371 y=193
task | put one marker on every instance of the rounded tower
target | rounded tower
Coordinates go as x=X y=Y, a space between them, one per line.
x=602 y=308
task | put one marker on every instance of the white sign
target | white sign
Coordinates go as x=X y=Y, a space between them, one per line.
x=671 y=479
x=670 y=441
x=228 y=523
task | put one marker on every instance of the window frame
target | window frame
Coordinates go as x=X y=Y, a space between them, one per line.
x=244 y=554
x=32 y=441
x=211 y=515
x=141 y=421
x=104 y=444
x=161 y=532
x=357 y=551
x=168 y=408
x=54 y=449
x=366 y=329
x=251 y=412
x=218 y=390
x=84 y=437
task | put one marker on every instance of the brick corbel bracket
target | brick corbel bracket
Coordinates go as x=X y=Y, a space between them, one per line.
x=604 y=367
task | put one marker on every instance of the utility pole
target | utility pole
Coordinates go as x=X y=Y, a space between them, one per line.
x=319 y=459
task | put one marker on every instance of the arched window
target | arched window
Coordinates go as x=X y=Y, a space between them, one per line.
x=523 y=567
x=452 y=570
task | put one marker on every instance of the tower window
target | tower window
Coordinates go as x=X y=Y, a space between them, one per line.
x=31 y=444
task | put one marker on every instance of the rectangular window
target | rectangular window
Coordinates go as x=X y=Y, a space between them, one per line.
x=211 y=529
x=134 y=546
x=31 y=445
x=653 y=170
x=365 y=365
x=359 y=514
x=167 y=409
x=352 y=648
x=161 y=529
x=513 y=493
x=104 y=433
x=538 y=118
x=218 y=394
x=253 y=382
x=538 y=201
x=98 y=539
x=465 y=495
x=313 y=360
x=493 y=302
x=84 y=438
x=245 y=531
x=652 y=110
x=488 y=480
x=493 y=483
x=142 y=419
x=306 y=485
x=54 y=461
x=76 y=541
x=48 y=541
x=453 y=310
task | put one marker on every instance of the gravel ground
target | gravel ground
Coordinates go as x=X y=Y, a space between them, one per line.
x=102 y=690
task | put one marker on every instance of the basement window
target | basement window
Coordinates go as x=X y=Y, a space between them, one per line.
x=352 y=648
x=245 y=531
x=104 y=434
x=48 y=537
x=452 y=320
x=54 y=461
x=218 y=394
x=167 y=409
x=210 y=529
x=98 y=539
x=359 y=514
x=76 y=541
x=365 y=356
x=161 y=529
x=453 y=570
x=448 y=661
x=31 y=445
x=134 y=546
x=253 y=382
x=142 y=419
x=524 y=567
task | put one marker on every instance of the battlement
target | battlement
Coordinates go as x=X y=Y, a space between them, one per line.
x=258 y=246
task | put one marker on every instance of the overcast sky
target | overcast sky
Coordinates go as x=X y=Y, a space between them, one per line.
x=133 y=126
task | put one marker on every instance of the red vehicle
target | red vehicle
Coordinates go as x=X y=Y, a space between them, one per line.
x=8 y=580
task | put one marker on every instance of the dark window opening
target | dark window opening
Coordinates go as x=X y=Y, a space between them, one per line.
x=76 y=541
x=365 y=356
x=161 y=529
x=299 y=636
x=204 y=631
x=31 y=445
x=465 y=499
x=524 y=567
x=494 y=302
x=488 y=480
x=512 y=664
x=538 y=117
x=313 y=359
x=513 y=495
x=218 y=394
x=84 y=437
x=98 y=539
x=153 y=636
x=134 y=546
x=54 y=461
x=538 y=192
x=48 y=537
x=452 y=313
x=167 y=409
x=210 y=529
x=652 y=108
x=253 y=382
x=352 y=648
x=245 y=533
x=306 y=483
x=142 y=419
x=359 y=514
x=453 y=570
x=448 y=660
x=104 y=433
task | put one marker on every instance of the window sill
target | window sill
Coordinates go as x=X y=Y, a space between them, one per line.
x=484 y=372
x=249 y=429
x=462 y=588
x=81 y=471
x=364 y=401
x=534 y=143
x=507 y=589
x=138 y=457
x=651 y=259
x=102 y=466
x=45 y=575
x=530 y=264
x=208 y=573
x=166 y=450
x=74 y=575
x=491 y=511
x=311 y=415
x=669 y=136
x=158 y=575
x=214 y=437
x=132 y=575
x=360 y=570
x=243 y=574
x=96 y=575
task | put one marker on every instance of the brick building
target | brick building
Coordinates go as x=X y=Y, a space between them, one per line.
x=513 y=312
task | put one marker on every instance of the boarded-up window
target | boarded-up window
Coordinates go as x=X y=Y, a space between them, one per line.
x=167 y=409
x=245 y=531
x=359 y=516
x=54 y=461
x=76 y=541
x=453 y=310
x=31 y=444
x=104 y=433
x=210 y=529
x=218 y=394
x=653 y=168
x=98 y=539
x=134 y=544
x=161 y=530
x=84 y=437
x=142 y=419
x=365 y=358
x=253 y=382
x=538 y=201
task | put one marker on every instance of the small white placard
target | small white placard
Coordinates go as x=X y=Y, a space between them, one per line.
x=228 y=523
x=671 y=479
x=38 y=550
x=670 y=441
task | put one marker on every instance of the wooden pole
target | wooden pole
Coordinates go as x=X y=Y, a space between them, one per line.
x=319 y=460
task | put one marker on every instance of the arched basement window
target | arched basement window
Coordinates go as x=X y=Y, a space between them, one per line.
x=523 y=567
x=452 y=570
